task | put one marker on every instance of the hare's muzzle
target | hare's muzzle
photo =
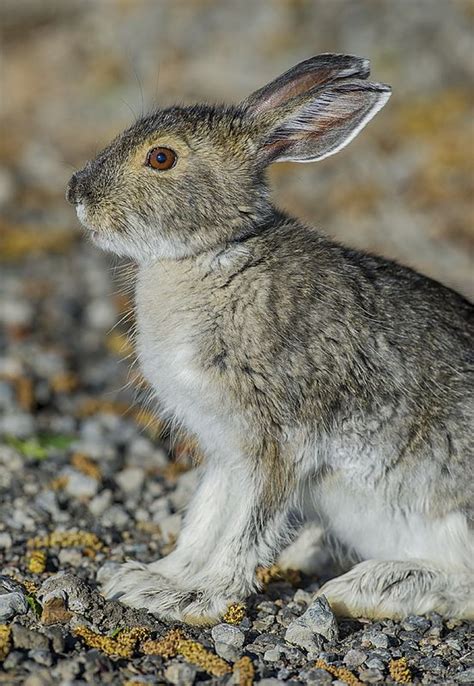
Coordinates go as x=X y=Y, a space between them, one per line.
x=78 y=187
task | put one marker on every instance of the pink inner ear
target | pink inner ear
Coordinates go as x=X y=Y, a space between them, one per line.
x=302 y=84
x=294 y=87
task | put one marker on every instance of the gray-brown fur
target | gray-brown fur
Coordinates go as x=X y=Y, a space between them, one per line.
x=293 y=359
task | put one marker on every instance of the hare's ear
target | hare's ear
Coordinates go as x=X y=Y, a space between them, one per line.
x=305 y=76
x=314 y=119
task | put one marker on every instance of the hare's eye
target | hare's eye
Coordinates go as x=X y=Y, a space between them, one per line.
x=161 y=158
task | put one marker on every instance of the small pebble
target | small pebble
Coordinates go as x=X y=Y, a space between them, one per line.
x=180 y=674
x=228 y=641
x=354 y=658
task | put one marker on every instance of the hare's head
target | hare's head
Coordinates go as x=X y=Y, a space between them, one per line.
x=185 y=179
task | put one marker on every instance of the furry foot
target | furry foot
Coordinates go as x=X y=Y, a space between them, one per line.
x=377 y=589
x=138 y=586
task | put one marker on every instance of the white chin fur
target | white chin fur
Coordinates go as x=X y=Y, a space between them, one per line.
x=81 y=213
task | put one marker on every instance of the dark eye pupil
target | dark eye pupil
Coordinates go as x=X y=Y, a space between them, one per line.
x=161 y=157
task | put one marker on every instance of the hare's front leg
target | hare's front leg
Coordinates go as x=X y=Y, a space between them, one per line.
x=236 y=521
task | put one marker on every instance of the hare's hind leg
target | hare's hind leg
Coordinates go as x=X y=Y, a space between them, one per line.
x=395 y=589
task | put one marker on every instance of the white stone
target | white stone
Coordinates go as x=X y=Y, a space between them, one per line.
x=130 y=479
x=80 y=485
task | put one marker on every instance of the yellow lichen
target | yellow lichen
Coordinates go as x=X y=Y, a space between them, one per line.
x=400 y=671
x=174 y=643
x=64 y=382
x=194 y=652
x=235 y=613
x=266 y=575
x=5 y=640
x=245 y=671
x=67 y=539
x=37 y=562
x=122 y=645
x=27 y=584
x=166 y=647
x=84 y=464
x=59 y=482
x=25 y=392
x=340 y=673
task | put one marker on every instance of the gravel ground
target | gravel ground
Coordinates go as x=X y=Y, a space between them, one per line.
x=86 y=478
x=77 y=457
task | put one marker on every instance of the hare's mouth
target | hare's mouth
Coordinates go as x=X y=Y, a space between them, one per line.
x=82 y=215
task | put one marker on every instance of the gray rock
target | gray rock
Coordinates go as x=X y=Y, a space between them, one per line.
x=75 y=591
x=264 y=623
x=371 y=676
x=115 y=516
x=57 y=636
x=432 y=664
x=160 y=509
x=42 y=678
x=66 y=670
x=12 y=660
x=70 y=557
x=42 y=657
x=466 y=677
x=130 y=479
x=100 y=502
x=376 y=639
x=8 y=585
x=185 y=488
x=170 y=527
x=317 y=621
x=302 y=597
x=354 y=658
x=228 y=641
x=375 y=663
x=5 y=540
x=46 y=501
x=416 y=623
x=28 y=639
x=272 y=655
x=316 y=677
x=303 y=636
x=180 y=674
x=18 y=424
x=12 y=604
x=79 y=485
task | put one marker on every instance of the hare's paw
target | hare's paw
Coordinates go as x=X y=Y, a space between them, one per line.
x=135 y=584
x=206 y=609
x=140 y=586
x=395 y=589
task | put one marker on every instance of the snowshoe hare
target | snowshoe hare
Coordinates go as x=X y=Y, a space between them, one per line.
x=299 y=365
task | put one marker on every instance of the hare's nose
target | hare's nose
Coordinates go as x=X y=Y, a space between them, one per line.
x=72 y=188
x=76 y=188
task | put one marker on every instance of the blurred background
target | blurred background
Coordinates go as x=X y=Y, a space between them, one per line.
x=73 y=74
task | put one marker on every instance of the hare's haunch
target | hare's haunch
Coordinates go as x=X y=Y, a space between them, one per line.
x=302 y=367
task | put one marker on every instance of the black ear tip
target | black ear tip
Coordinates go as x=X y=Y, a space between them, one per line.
x=383 y=88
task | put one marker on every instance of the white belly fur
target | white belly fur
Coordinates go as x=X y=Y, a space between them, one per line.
x=375 y=529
